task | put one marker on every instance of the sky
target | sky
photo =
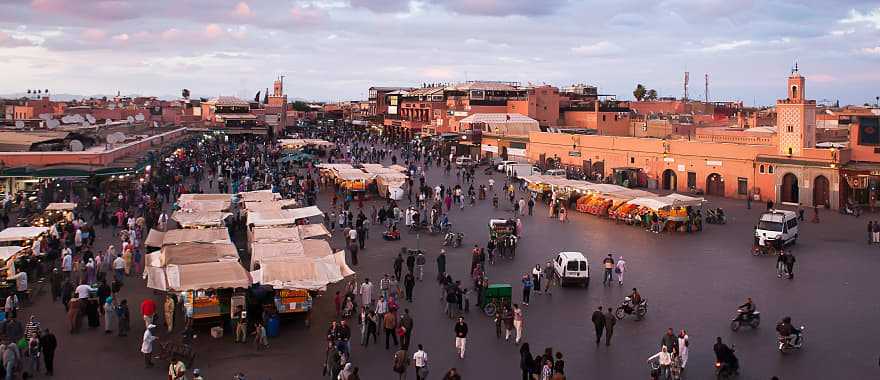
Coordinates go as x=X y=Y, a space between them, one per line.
x=335 y=50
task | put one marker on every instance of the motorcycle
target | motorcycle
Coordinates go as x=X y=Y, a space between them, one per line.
x=626 y=308
x=752 y=319
x=716 y=216
x=453 y=238
x=724 y=371
x=791 y=342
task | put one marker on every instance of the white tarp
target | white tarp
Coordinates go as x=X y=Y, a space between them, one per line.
x=60 y=206
x=218 y=275
x=22 y=233
x=203 y=235
x=258 y=196
x=204 y=205
x=316 y=230
x=281 y=217
x=654 y=203
x=684 y=200
x=7 y=252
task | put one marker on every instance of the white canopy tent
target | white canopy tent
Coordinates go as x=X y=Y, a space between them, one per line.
x=22 y=233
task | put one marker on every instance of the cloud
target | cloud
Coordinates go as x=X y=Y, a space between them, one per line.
x=382 y=6
x=242 y=9
x=725 y=46
x=121 y=37
x=871 y=50
x=598 y=49
x=92 y=34
x=99 y=10
x=9 y=41
x=870 y=18
x=437 y=72
x=213 y=31
x=844 y=32
x=502 y=7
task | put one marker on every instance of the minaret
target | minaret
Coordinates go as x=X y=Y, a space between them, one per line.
x=796 y=118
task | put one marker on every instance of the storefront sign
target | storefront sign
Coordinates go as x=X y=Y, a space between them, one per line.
x=574 y=153
x=713 y=163
x=875 y=172
x=489 y=148
x=668 y=159
x=516 y=151
x=681 y=167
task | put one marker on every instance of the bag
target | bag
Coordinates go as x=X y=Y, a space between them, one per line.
x=617 y=270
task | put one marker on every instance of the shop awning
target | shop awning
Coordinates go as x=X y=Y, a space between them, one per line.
x=258 y=196
x=204 y=197
x=684 y=200
x=22 y=233
x=302 y=272
x=194 y=253
x=218 y=275
x=317 y=230
x=267 y=234
x=281 y=217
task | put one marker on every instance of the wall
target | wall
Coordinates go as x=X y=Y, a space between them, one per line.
x=607 y=123
x=94 y=158
x=654 y=156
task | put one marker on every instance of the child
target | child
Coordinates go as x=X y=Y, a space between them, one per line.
x=261 y=338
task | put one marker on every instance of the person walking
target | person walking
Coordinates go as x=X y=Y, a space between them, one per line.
x=876 y=232
x=599 y=323
x=527 y=288
x=406 y=322
x=870 y=237
x=461 y=331
x=536 y=278
x=366 y=292
x=526 y=361
x=399 y=364
x=420 y=361
x=148 y=310
x=147 y=345
x=789 y=261
x=608 y=264
x=398 y=265
x=620 y=269
x=683 y=347
x=420 y=265
x=123 y=317
x=48 y=344
x=518 y=322
x=531 y=205
x=610 y=321
x=389 y=323
x=409 y=282
x=441 y=264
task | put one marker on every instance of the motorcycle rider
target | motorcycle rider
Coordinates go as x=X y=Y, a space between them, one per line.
x=746 y=309
x=725 y=355
x=635 y=299
x=788 y=331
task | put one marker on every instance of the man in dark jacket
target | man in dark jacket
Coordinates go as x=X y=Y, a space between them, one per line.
x=599 y=323
x=398 y=266
x=670 y=341
x=48 y=344
x=610 y=321
x=409 y=282
x=441 y=263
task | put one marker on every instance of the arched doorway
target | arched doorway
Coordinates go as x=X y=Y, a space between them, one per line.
x=789 y=190
x=670 y=181
x=820 y=191
x=715 y=185
x=599 y=169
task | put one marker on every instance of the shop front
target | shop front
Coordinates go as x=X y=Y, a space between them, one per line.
x=860 y=184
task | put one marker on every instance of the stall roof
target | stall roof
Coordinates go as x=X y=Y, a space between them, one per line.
x=189 y=219
x=654 y=203
x=10 y=251
x=204 y=197
x=204 y=205
x=193 y=253
x=178 y=236
x=274 y=234
x=335 y=166
x=684 y=200
x=302 y=272
x=398 y=168
x=308 y=231
x=60 y=206
x=270 y=205
x=353 y=175
x=281 y=217
x=258 y=196
x=218 y=275
x=22 y=233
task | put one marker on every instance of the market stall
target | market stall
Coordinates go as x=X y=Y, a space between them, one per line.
x=281 y=217
x=208 y=289
x=22 y=234
x=200 y=219
x=159 y=239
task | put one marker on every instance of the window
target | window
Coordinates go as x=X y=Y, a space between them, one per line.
x=791 y=223
x=789 y=151
x=770 y=169
x=603 y=117
x=632 y=160
x=742 y=186
x=761 y=169
x=692 y=179
x=572 y=265
x=583 y=265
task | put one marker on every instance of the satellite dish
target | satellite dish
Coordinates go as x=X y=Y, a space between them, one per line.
x=19 y=124
x=130 y=119
x=91 y=119
x=76 y=146
x=52 y=124
x=139 y=117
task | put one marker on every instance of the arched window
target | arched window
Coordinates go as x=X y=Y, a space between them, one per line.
x=770 y=169
x=761 y=169
x=789 y=151
x=794 y=93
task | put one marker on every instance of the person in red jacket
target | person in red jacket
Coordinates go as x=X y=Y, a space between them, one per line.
x=148 y=309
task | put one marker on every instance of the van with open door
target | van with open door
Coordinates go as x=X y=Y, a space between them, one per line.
x=778 y=225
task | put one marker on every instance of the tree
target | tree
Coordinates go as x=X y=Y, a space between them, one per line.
x=639 y=92
x=257 y=97
x=651 y=94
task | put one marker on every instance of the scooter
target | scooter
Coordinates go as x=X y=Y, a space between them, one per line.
x=752 y=319
x=724 y=371
x=716 y=216
x=791 y=342
x=453 y=238
x=627 y=307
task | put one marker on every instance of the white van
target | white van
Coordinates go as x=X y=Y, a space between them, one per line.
x=572 y=267
x=502 y=166
x=463 y=161
x=778 y=224
x=555 y=173
x=522 y=170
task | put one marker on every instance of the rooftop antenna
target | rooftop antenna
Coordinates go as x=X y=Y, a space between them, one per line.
x=686 y=80
x=707 y=88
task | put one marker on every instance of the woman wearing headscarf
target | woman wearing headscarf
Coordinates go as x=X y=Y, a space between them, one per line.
x=108 y=315
x=91 y=274
x=525 y=361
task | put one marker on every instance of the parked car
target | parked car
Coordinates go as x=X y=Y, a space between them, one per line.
x=572 y=267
